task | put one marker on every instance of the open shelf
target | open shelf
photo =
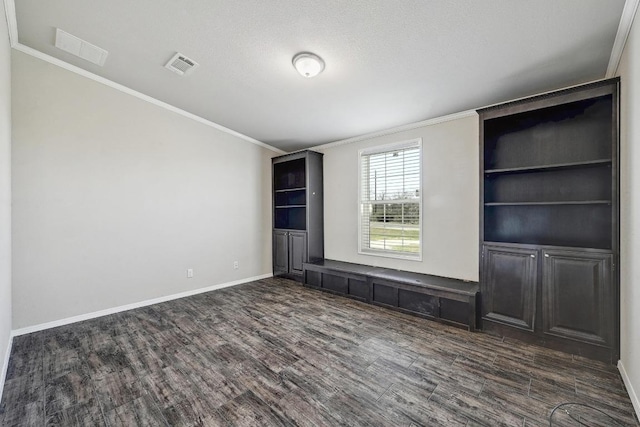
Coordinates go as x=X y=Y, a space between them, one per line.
x=575 y=225
x=579 y=202
x=559 y=136
x=287 y=190
x=560 y=185
x=291 y=218
x=293 y=197
x=290 y=194
x=548 y=177
x=289 y=175
x=556 y=166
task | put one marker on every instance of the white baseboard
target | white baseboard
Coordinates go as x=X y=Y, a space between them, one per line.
x=632 y=393
x=87 y=316
x=5 y=365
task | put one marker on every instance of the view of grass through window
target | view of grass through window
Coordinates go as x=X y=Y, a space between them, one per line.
x=390 y=205
x=392 y=229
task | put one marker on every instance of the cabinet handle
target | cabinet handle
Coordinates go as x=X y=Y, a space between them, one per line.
x=546 y=255
x=532 y=256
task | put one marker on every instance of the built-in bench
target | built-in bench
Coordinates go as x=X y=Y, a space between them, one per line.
x=443 y=299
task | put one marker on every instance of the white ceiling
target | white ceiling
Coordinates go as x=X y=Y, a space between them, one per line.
x=388 y=62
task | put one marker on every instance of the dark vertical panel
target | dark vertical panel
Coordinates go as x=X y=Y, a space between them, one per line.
x=297 y=251
x=509 y=286
x=384 y=294
x=577 y=295
x=359 y=288
x=315 y=211
x=280 y=252
x=335 y=283
x=419 y=303
x=313 y=278
x=456 y=311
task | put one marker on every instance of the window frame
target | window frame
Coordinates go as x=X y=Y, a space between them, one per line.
x=387 y=253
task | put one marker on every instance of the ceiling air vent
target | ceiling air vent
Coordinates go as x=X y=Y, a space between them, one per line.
x=81 y=48
x=180 y=64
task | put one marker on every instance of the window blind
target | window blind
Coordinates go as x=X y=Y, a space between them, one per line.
x=390 y=200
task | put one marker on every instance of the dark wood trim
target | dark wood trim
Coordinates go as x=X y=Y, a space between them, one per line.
x=563 y=96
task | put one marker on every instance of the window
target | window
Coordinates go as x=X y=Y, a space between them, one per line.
x=390 y=200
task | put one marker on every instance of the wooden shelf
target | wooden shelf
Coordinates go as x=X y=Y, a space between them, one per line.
x=285 y=190
x=291 y=206
x=556 y=166
x=577 y=202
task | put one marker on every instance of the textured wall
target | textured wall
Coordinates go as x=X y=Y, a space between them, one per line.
x=115 y=198
x=629 y=71
x=450 y=168
x=5 y=193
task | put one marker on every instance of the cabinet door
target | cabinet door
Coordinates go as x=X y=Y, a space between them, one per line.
x=577 y=295
x=509 y=277
x=297 y=251
x=280 y=252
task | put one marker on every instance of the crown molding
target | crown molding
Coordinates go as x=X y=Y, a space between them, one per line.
x=12 y=24
x=397 y=129
x=10 y=11
x=62 y=64
x=626 y=21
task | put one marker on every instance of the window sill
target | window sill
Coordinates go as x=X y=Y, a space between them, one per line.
x=391 y=255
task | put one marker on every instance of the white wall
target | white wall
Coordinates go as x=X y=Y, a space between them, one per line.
x=629 y=71
x=450 y=200
x=114 y=198
x=5 y=195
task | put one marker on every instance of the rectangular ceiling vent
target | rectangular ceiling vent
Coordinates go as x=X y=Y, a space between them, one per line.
x=80 y=48
x=180 y=64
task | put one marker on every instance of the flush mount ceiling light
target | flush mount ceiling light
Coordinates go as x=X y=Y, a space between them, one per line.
x=308 y=64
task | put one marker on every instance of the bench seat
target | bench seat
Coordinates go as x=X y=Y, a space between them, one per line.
x=447 y=300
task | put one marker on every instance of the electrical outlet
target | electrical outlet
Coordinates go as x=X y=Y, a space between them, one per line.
x=235 y=265
x=189 y=273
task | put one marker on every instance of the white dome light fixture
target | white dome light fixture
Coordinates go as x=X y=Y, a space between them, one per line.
x=308 y=64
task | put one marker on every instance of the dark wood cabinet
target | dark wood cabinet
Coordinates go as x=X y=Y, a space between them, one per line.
x=289 y=252
x=280 y=252
x=549 y=219
x=298 y=224
x=510 y=279
x=577 y=294
x=297 y=251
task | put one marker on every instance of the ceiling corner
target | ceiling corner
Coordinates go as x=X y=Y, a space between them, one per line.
x=626 y=21
x=12 y=23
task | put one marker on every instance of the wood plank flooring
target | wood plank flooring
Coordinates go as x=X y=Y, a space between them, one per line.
x=274 y=353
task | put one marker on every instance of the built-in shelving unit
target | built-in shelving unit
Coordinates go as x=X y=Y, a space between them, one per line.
x=549 y=217
x=297 y=211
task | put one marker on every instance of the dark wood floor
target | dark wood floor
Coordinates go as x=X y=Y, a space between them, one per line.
x=275 y=353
